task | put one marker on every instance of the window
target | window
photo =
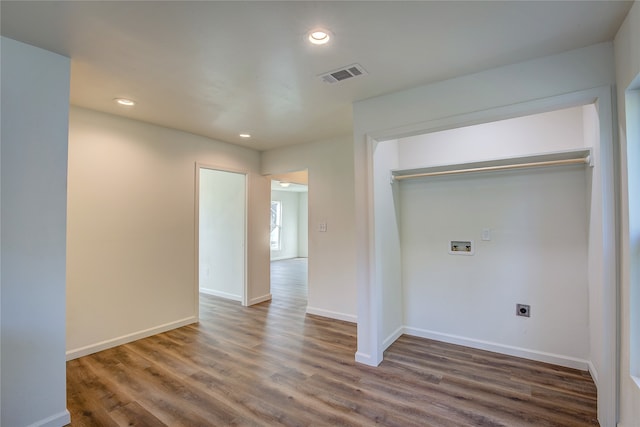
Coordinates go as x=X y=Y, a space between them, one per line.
x=276 y=224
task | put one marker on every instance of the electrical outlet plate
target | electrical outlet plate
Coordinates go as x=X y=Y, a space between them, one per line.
x=523 y=310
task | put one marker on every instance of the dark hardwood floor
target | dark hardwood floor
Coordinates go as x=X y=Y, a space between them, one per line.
x=271 y=364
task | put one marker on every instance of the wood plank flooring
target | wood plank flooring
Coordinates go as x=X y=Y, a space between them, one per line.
x=271 y=364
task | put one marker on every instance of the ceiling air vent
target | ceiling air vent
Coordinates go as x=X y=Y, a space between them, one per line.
x=344 y=73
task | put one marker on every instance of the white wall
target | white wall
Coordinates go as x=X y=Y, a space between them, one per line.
x=627 y=57
x=387 y=243
x=549 y=83
x=537 y=255
x=35 y=100
x=471 y=300
x=290 y=224
x=131 y=228
x=521 y=136
x=221 y=239
x=331 y=194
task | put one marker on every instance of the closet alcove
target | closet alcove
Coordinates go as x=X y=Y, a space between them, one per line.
x=522 y=191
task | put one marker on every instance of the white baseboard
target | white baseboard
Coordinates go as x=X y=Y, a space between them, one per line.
x=61 y=419
x=221 y=294
x=392 y=338
x=594 y=373
x=332 y=314
x=284 y=258
x=258 y=300
x=103 y=345
x=540 y=356
x=366 y=359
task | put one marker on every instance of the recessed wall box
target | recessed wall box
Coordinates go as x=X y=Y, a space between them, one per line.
x=523 y=310
x=461 y=247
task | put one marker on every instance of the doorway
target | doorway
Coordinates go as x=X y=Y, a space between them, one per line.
x=289 y=237
x=221 y=236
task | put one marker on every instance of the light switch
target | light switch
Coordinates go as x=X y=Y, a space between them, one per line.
x=322 y=227
x=486 y=234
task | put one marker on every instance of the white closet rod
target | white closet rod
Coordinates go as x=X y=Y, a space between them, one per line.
x=497 y=168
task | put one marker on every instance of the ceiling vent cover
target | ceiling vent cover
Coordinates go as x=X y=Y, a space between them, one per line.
x=344 y=73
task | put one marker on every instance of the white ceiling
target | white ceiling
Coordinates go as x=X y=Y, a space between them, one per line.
x=293 y=188
x=221 y=68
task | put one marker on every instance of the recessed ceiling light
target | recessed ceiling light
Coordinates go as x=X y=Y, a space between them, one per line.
x=319 y=36
x=126 y=102
x=285 y=184
x=245 y=135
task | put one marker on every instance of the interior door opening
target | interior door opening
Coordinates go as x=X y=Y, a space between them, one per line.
x=221 y=236
x=289 y=235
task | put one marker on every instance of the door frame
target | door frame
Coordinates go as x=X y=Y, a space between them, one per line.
x=276 y=177
x=198 y=167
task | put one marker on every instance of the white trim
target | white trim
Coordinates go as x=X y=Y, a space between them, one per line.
x=60 y=419
x=594 y=373
x=365 y=359
x=332 y=314
x=540 y=356
x=284 y=258
x=492 y=114
x=392 y=338
x=245 y=288
x=609 y=384
x=220 y=294
x=375 y=288
x=196 y=240
x=244 y=299
x=103 y=345
x=258 y=300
